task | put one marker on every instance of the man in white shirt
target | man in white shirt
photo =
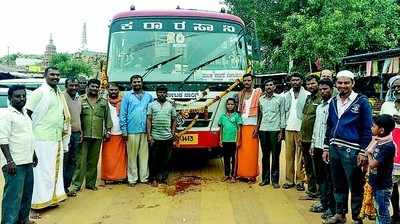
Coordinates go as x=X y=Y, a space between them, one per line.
x=17 y=158
x=295 y=100
x=322 y=170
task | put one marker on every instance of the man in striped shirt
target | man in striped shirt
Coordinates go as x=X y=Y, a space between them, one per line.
x=161 y=125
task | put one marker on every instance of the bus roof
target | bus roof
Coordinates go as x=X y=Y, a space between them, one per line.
x=178 y=13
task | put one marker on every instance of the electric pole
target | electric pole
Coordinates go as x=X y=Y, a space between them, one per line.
x=8 y=56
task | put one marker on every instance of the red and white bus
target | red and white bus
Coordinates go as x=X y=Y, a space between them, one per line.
x=192 y=52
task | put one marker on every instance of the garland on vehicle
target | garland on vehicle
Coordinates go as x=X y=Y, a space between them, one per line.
x=205 y=107
x=104 y=84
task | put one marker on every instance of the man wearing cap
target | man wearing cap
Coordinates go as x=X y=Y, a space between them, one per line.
x=328 y=74
x=348 y=134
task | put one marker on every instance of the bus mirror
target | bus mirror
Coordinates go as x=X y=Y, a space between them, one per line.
x=240 y=44
x=252 y=40
x=256 y=50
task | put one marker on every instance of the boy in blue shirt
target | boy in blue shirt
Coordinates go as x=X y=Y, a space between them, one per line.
x=229 y=123
x=381 y=153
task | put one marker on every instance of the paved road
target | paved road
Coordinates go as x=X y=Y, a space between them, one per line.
x=212 y=201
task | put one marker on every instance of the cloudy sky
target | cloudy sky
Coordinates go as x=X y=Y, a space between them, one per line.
x=26 y=25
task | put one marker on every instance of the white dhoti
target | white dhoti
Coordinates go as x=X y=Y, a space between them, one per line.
x=48 y=188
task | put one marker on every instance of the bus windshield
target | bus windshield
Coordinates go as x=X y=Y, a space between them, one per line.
x=173 y=50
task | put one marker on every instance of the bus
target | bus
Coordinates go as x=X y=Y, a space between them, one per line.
x=197 y=54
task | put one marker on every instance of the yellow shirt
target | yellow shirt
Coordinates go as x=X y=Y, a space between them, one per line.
x=50 y=127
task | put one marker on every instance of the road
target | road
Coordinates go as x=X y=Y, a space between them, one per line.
x=206 y=200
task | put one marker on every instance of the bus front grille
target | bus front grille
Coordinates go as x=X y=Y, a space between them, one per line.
x=203 y=120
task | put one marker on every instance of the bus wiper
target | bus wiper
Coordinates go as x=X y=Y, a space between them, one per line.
x=151 y=68
x=193 y=70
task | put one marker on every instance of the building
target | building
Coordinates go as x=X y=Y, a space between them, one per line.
x=50 y=51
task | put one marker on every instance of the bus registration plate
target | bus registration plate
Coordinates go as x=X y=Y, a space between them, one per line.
x=189 y=139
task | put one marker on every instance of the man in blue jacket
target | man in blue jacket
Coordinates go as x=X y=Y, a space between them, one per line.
x=348 y=134
x=132 y=120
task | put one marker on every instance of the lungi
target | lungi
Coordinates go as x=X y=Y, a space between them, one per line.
x=114 y=159
x=48 y=187
x=247 y=154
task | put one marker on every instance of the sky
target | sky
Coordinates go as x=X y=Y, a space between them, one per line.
x=26 y=25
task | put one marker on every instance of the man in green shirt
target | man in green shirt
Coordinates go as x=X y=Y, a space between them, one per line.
x=307 y=127
x=271 y=128
x=161 y=126
x=95 y=115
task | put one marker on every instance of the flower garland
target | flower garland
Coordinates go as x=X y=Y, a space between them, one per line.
x=204 y=107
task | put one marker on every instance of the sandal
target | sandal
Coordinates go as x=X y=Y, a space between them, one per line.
x=92 y=188
x=300 y=187
x=34 y=215
x=71 y=194
x=287 y=186
x=308 y=198
x=317 y=208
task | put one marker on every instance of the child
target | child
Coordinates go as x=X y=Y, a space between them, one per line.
x=381 y=153
x=230 y=124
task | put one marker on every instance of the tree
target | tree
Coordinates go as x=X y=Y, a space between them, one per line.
x=59 y=59
x=70 y=67
x=9 y=59
x=319 y=29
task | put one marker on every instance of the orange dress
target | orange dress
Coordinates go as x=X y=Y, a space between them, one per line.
x=114 y=159
x=247 y=154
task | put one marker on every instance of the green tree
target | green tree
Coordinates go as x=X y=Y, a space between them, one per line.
x=70 y=67
x=305 y=30
x=59 y=58
x=9 y=59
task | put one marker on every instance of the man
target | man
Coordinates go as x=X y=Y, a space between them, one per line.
x=96 y=125
x=50 y=116
x=306 y=132
x=295 y=99
x=161 y=126
x=271 y=126
x=133 y=126
x=347 y=136
x=247 y=154
x=328 y=74
x=82 y=84
x=74 y=107
x=114 y=158
x=17 y=158
x=321 y=169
